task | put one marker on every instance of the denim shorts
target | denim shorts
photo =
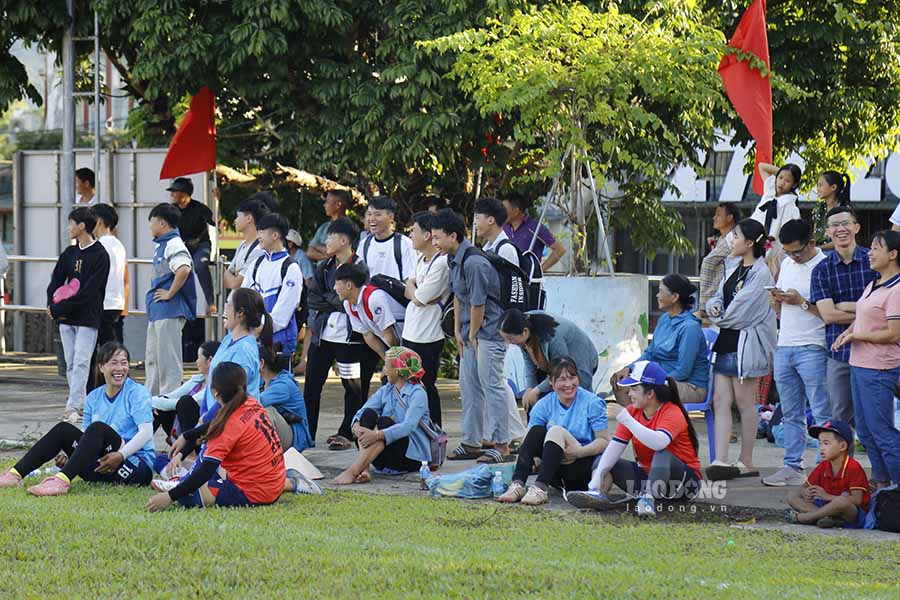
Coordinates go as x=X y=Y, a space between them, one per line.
x=860 y=522
x=726 y=364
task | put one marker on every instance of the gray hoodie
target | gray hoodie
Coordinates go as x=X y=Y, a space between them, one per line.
x=752 y=315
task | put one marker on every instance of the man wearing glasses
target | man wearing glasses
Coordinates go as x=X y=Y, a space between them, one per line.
x=837 y=283
x=800 y=357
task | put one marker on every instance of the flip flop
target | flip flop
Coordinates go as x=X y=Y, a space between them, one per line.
x=340 y=443
x=493 y=457
x=460 y=453
x=722 y=472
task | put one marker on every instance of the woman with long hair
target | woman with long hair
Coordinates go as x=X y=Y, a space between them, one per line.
x=832 y=189
x=240 y=440
x=665 y=446
x=745 y=347
x=543 y=339
x=116 y=445
x=566 y=431
x=283 y=400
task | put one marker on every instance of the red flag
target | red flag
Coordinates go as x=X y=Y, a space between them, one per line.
x=193 y=149
x=748 y=89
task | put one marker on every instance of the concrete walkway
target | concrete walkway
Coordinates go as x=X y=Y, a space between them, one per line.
x=34 y=397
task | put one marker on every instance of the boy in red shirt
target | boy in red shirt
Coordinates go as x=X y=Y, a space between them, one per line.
x=837 y=492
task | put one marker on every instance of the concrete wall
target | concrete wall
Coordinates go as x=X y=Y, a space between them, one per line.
x=612 y=310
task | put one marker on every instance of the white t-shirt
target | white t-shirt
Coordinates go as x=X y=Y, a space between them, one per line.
x=381 y=260
x=246 y=256
x=799 y=327
x=895 y=216
x=507 y=251
x=281 y=297
x=385 y=313
x=115 y=283
x=423 y=323
x=786 y=208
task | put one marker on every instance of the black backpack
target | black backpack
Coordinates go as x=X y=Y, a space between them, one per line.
x=395 y=288
x=398 y=252
x=513 y=283
x=534 y=275
x=886 y=506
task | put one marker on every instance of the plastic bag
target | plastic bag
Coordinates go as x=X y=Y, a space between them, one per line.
x=471 y=483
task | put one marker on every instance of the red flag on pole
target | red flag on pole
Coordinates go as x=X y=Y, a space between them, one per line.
x=749 y=90
x=193 y=149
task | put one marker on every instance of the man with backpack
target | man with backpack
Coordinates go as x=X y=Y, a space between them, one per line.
x=385 y=251
x=249 y=213
x=277 y=277
x=372 y=310
x=478 y=303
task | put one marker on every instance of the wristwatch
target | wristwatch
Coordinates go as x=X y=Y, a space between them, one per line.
x=804 y=305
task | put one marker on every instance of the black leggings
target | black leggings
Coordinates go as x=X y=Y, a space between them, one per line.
x=83 y=449
x=394 y=455
x=318 y=364
x=573 y=476
x=431 y=362
x=187 y=411
x=669 y=477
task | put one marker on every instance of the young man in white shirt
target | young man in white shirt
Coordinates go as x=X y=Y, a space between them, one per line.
x=373 y=313
x=249 y=212
x=801 y=356
x=279 y=285
x=114 y=301
x=332 y=339
x=490 y=215
x=428 y=291
x=385 y=251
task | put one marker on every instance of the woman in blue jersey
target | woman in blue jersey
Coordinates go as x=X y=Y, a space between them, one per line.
x=116 y=445
x=282 y=398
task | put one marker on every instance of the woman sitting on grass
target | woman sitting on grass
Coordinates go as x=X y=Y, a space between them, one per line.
x=387 y=426
x=283 y=401
x=116 y=445
x=240 y=440
x=183 y=403
x=567 y=430
x=665 y=445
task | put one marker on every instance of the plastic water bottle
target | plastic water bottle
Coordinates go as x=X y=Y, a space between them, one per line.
x=48 y=471
x=424 y=474
x=497 y=485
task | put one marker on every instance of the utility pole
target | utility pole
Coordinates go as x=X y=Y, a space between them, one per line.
x=67 y=174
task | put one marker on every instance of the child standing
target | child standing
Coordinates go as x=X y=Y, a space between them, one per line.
x=75 y=300
x=837 y=491
x=171 y=300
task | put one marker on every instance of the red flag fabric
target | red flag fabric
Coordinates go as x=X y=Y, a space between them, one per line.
x=748 y=89
x=193 y=149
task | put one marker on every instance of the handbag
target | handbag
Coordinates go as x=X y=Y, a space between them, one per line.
x=437 y=437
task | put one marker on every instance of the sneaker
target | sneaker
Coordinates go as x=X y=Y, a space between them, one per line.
x=535 y=496
x=790 y=515
x=10 y=479
x=785 y=476
x=514 y=493
x=829 y=522
x=302 y=484
x=52 y=486
x=646 y=506
x=592 y=499
x=165 y=485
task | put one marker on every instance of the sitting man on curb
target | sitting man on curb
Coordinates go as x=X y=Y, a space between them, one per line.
x=836 y=494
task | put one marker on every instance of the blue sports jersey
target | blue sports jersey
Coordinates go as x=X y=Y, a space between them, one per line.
x=124 y=413
x=586 y=415
x=244 y=352
x=284 y=394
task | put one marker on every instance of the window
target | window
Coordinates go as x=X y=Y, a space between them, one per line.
x=716 y=168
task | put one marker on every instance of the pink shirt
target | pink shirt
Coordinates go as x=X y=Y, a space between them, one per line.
x=878 y=305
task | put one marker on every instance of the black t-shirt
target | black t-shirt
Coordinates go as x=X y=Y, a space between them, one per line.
x=192 y=225
x=728 y=338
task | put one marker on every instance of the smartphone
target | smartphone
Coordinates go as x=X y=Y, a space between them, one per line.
x=770 y=288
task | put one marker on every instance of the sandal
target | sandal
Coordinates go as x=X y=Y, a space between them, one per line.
x=722 y=471
x=493 y=457
x=339 y=442
x=535 y=496
x=462 y=453
x=514 y=493
x=790 y=515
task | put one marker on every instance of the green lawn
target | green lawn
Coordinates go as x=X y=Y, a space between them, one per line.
x=98 y=542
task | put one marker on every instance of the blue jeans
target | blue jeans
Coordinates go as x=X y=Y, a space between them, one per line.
x=800 y=374
x=78 y=346
x=873 y=408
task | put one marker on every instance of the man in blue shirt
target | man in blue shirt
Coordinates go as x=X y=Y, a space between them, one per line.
x=837 y=283
x=476 y=285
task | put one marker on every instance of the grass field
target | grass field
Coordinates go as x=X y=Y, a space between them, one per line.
x=99 y=542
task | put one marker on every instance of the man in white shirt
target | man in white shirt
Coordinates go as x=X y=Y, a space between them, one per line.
x=249 y=212
x=84 y=187
x=428 y=290
x=277 y=277
x=373 y=313
x=385 y=251
x=490 y=215
x=801 y=356
x=114 y=300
